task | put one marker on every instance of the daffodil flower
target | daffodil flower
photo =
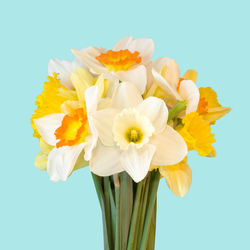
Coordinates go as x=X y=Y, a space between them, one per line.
x=166 y=73
x=209 y=107
x=133 y=133
x=197 y=134
x=127 y=61
x=69 y=134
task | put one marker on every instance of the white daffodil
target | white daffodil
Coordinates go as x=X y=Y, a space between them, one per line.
x=166 y=73
x=127 y=61
x=133 y=134
x=70 y=134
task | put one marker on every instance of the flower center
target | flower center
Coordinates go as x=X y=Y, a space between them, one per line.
x=131 y=127
x=119 y=60
x=134 y=135
x=73 y=130
x=202 y=106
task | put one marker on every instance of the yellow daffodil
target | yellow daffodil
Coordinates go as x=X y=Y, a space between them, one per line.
x=167 y=76
x=178 y=177
x=209 y=107
x=133 y=134
x=126 y=62
x=51 y=99
x=197 y=134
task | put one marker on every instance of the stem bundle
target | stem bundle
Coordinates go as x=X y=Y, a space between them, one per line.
x=128 y=211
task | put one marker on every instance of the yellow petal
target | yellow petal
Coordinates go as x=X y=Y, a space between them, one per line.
x=81 y=80
x=157 y=91
x=45 y=147
x=197 y=134
x=178 y=177
x=191 y=75
x=212 y=154
x=103 y=85
x=210 y=96
x=69 y=107
x=81 y=163
x=51 y=99
x=215 y=114
x=41 y=161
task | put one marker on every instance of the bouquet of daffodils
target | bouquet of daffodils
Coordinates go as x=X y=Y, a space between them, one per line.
x=132 y=121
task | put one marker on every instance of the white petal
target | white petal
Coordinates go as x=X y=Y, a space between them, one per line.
x=113 y=84
x=171 y=73
x=150 y=77
x=47 y=126
x=89 y=58
x=106 y=161
x=91 y=99
x=103 y=122
x=64 y=68
x=136 y=162
x=90 y=141
x=145 y=47
x=157 y=112
x=61 y=161
x=170 y=147
x=163 y=83
x=160 y=62
x=137 y=76
x=123 y=43
x=189 y=92
x=126 y=95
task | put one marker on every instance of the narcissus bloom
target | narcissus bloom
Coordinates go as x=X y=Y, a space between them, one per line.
x=166 y=73
x=197 y=134
x=209 y=107
x=133 y=133
x=127 y=61
x=61 y=120
x=69 y=134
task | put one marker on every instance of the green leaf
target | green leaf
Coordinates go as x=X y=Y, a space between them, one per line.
x=107 y=209
x=107 y=186
x=151 y=236
x=134 y=220
x=117 y=203
x=144 y=203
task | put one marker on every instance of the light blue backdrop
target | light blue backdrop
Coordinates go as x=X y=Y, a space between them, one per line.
x=211 y=37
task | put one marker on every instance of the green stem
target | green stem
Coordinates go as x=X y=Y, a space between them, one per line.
x=151 y=237
x=144 y=202
x=150 y=209
x=134 y=220
x=117 y=202
x=126 y=207
x=178 y=107
x=107 y=209
x=98 y=186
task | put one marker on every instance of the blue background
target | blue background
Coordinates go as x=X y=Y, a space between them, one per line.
x=211 y=37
